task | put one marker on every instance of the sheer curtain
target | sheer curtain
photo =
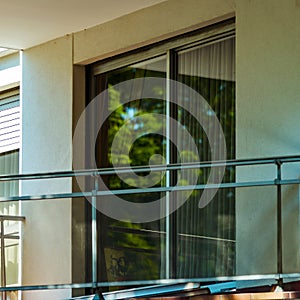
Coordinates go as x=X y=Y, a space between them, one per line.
x=205 y=237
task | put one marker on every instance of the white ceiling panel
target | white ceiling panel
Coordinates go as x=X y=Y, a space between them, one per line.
x=26 y=23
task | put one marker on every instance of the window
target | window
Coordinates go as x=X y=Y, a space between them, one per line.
x=191 y=242
x=10 y=125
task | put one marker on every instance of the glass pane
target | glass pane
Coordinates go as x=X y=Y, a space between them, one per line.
x=129 y=251
x=132 y=251
x=205 y=237
x=12 y=261
x=9 y=164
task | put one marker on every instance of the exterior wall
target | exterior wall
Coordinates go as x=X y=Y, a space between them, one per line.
x=46 y=147
x=268 y=106
x=9 y=70
x=9 y=61
x=146 y=26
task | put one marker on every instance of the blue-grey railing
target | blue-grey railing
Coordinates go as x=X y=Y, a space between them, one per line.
x=278 y=181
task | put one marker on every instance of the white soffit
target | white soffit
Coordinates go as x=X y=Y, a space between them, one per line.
x=24 y=24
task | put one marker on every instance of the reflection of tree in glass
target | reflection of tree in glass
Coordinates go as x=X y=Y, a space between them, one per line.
x=138 y=244
x=138 y=249
x=133 y=117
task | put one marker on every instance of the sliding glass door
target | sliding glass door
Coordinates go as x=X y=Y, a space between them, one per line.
x=190 y=242
x=129 y=251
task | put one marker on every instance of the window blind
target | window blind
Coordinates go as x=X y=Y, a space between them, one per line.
x=10 y=124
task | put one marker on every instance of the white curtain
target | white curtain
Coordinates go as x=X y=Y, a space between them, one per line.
x=205 y=237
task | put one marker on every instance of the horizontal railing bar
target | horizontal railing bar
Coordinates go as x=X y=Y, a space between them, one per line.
x=11 y=218
x=181 y=188
x=11 y=237
x=151 y=190
x=185 y=188
x=157 y=168
x=11 y=245
x=274 y=277
x=46 y=197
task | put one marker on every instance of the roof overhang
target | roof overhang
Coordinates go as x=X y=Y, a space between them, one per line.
x=24 y=24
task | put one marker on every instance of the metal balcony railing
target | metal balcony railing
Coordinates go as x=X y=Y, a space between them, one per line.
x=276 y=181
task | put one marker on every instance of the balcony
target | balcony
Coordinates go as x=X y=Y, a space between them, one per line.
x=276 y=173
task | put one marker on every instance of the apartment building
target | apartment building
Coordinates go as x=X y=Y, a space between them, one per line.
x=178 y=82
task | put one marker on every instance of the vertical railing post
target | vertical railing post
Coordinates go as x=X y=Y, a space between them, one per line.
x=279 y=224
x=94 y=230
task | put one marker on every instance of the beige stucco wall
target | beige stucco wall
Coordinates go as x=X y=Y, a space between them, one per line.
x=46 y=147
x=148 y=25
x=268 y=114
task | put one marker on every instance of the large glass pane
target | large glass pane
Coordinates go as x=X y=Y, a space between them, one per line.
x=129 y=251
x=205 y=237
x=9 y=165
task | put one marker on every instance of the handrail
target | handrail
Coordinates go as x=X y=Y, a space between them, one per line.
x=274 y=182
x=162 y=167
